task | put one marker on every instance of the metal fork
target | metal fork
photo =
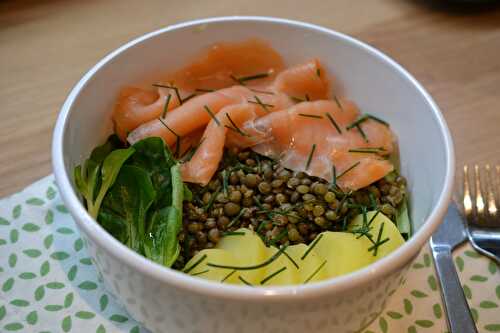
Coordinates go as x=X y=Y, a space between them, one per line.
x=481 y=204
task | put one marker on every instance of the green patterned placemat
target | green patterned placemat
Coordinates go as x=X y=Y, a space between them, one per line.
x=48 y=283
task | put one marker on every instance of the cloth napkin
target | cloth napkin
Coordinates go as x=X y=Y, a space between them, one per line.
x=49 y=284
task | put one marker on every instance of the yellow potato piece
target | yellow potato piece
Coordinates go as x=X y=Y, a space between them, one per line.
x=343 y=251
x=249 y=250
x=215 y=256
x=390 y=232
x=334 y=254
x=312 y=267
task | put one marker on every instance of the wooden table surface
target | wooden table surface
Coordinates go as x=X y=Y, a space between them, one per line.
x=46 y=46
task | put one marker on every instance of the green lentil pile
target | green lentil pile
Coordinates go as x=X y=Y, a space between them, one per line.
x=282 y=206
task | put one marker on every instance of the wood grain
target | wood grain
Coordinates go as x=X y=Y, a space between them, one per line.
x=46 y=46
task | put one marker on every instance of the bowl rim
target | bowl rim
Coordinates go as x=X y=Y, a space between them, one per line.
x=119 y=251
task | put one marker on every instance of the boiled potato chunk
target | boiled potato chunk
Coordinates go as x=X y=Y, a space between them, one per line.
x=216 y=256
x=249 y=250
x=330 y=254
x=344 y=252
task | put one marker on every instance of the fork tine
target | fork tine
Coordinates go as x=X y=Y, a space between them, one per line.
x=479 y=200
x=467 y=202
x=490 y=193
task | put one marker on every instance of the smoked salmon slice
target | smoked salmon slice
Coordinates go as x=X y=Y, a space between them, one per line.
x=222 y=64
x=136 y=106
x=205 y=161
x=313 y=137
x=306 y=81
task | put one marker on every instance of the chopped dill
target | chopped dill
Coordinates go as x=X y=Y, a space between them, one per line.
x=258 y=101
x=196 y=263
x=211 y=114
x=338 y=103
x=234 y=127
x=204 y=90
x=253 y=77
x=270 y=276
x=228 y=276
x=212 y=200
x=233 y=233
x=236 y=218
x=310 y=247
x=315 y=272
x=174 y=88
x=165 y=108
x=262 y=91
x=348 y=169
x=199 y=273
x=252 y=267
x=310 y=115
x=334 y=123
x=374 y=150
x=309 y=158
x=245 y=281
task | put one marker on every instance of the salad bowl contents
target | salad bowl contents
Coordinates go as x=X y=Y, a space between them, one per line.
x=256 y=169
x=269 y=179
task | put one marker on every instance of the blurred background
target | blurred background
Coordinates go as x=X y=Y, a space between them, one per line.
x=452 y=48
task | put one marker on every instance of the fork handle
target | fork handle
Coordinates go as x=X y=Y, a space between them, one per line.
x=459 y=316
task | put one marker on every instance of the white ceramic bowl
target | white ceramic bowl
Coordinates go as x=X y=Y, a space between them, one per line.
x=168 y=301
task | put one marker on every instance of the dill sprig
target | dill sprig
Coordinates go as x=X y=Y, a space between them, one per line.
x=338 y=103
x=204 y=90
x=212 y=199
x=378 y=242
x=334 y=176
x=245 y=281
x=258 y=101
x=253 y=77
x=297 y=99
x=291 y=259
x=307 y=115
x=174 y=88
x=211 y=114
x=228 y=276
x=262 y=91
x=233 y=233
x=252 y=267
x=348 y=169
x=199 y=273
x=364 y=118
x=310 y=247
x=190 y=153
x=184 y=100
x=196 y=263
x=225 y=181
x=279 y=237
x=270 y=276
x=165 y=108
x=315 y=272
x=236 y=218
x=309 y=158
x=363 y=134
x=370 y=150
x=178 y=138
x=334 y=123
x=235 y=127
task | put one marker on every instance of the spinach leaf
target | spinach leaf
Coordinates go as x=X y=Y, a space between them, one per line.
x=101 y=152
x=125 y=207
x=153 y=156
x=174 y=217
x=161 y=234
x=109 y=171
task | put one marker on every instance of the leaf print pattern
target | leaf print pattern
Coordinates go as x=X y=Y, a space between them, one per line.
x=48 y=278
